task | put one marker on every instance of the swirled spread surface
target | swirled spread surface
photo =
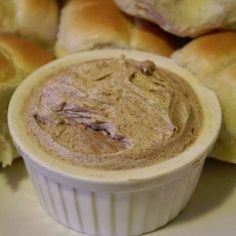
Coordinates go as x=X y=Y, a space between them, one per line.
x=113 y=114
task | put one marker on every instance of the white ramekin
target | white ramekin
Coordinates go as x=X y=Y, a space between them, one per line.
x=114 y=203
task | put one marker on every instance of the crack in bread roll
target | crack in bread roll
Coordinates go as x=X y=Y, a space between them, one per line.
x=18 y=58
x=33 y=19
x=88 y=25
x=212 y=58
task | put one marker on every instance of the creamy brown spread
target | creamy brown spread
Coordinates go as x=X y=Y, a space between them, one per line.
x=114 y=114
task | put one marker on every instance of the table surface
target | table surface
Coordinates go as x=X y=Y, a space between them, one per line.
x=211 y=211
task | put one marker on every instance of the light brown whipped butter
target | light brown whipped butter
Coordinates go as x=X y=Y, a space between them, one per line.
x=114 y=114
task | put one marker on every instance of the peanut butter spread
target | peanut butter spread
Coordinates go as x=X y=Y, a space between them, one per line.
x=114 y=114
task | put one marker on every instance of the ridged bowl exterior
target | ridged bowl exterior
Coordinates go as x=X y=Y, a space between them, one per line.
x=115 y=213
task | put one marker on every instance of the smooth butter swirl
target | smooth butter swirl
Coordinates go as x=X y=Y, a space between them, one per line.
x=114 y=114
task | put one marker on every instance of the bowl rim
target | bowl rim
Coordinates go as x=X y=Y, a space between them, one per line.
x=199 y=149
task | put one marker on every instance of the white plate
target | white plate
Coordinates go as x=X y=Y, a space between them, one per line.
x=212 y=210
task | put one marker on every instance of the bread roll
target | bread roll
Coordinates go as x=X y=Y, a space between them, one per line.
x=213 y=59
x=224 y=86
x=93 y=24
x=18 y=58
x=208 y=55
x=36 y=20
x=183 y=17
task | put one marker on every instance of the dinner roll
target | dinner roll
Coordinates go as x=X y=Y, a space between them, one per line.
x=224 y=86
x=18 y=58
x=208 y=55
x=183 y=17
x=212 y=59
x=36 y=20
x=93 y=24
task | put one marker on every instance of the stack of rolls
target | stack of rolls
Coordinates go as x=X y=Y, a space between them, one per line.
x=92 y=24
x=158 y=26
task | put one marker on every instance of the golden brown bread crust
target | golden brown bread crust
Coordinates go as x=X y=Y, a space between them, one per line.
x=33 y=19
x=148 y=37
x=87 y=25
x=208 y=54
x=24 y=53
x=18 y=58
x=213 y=59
